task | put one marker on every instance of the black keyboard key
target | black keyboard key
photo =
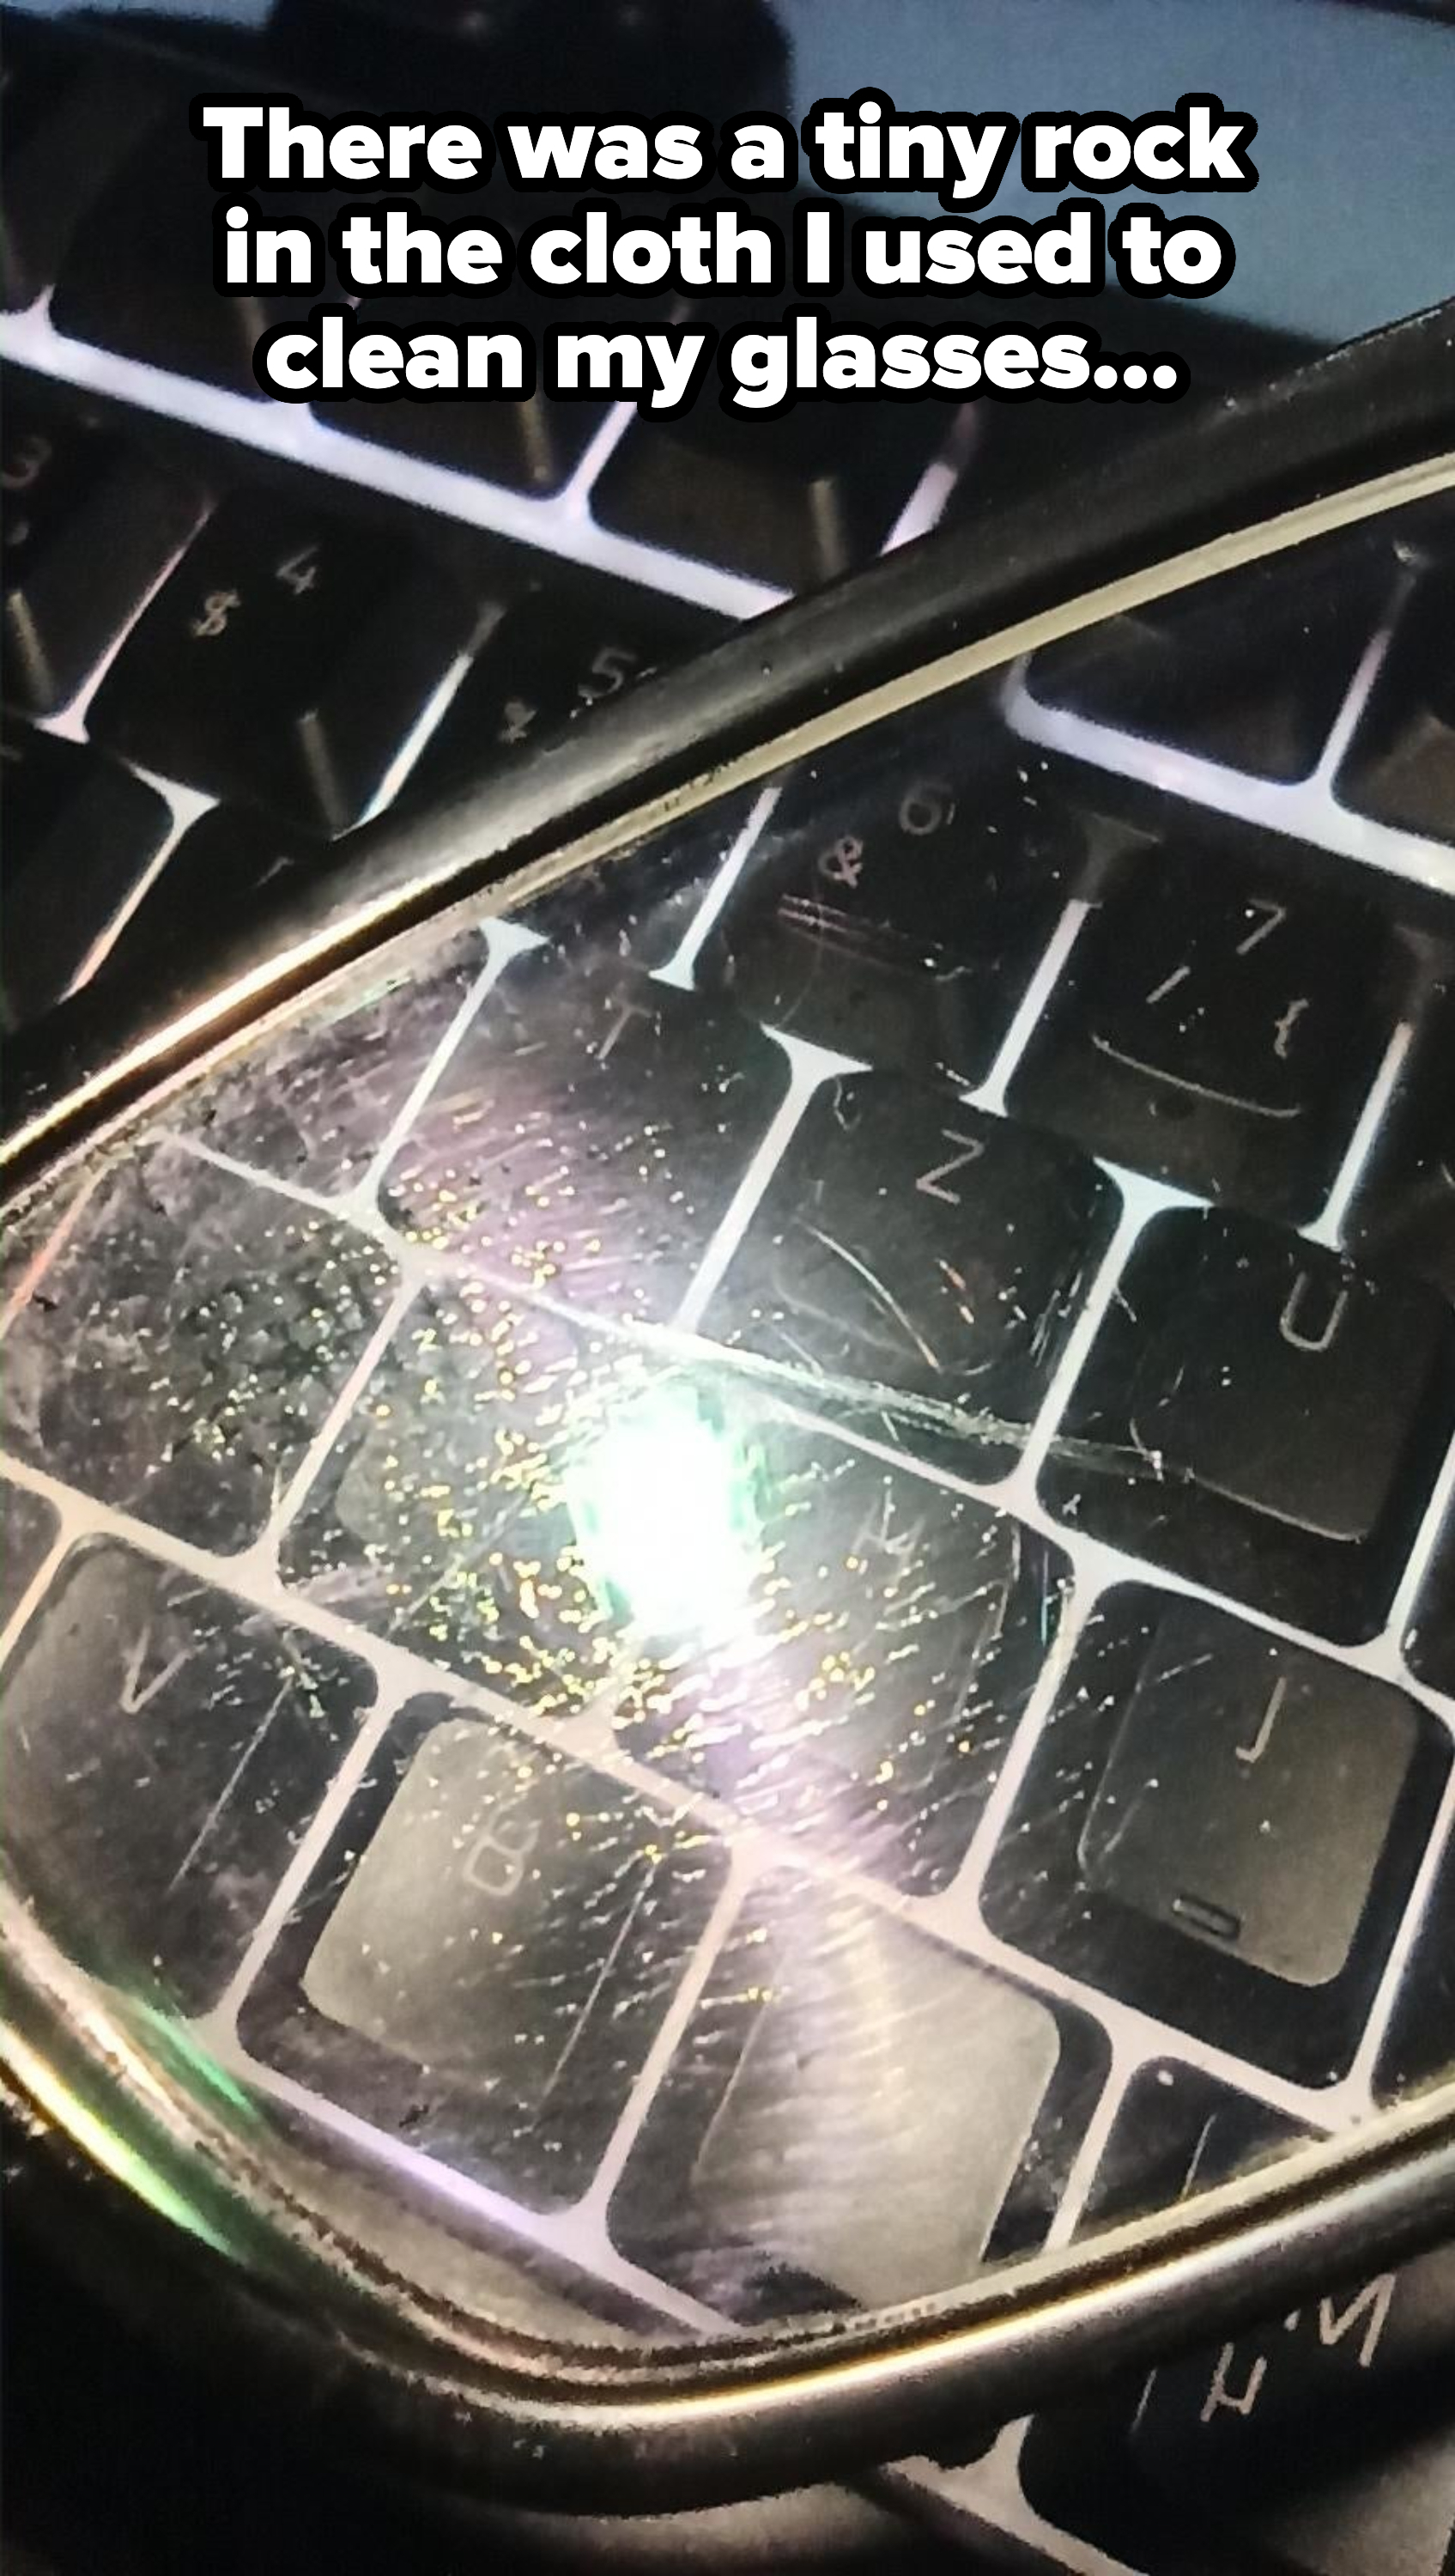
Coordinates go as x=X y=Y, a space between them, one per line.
x=638 y=908
x=1401 y=764
x=1023 y=452
x=1319 y=2444
x=1320 y=2438
x=1205 y=1774
x=165 y=1747
x=1221 y=1829
x=849 y=1665
x=89 y=527
x=1430 y=1645
x=1249 y=670
x=313 y=1103
x=1219 y=1027
x=445 y=1515
x=28 y=1526
x=920 y=1261
x=848 y=2116
x=573 y=644
x=1258 y=1414
x=586 y=1136
x=138 y=277
x=896 y=905
x=1404 y=1207
x=183 y=1342
x=223 y=874
x=285 y=662
x=792 y=500
x=485 y=1952
x=32 y=85
x=1419 y=2045
x=532 y=444
x=80 y=835
x=65 y=123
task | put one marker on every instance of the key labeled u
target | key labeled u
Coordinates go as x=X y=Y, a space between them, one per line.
x=1297 y=1328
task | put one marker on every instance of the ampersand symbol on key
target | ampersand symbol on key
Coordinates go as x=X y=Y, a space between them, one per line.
x=843 y=863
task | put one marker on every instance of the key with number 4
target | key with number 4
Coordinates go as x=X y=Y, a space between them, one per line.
x=285 y=662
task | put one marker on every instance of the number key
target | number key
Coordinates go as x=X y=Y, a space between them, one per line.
x=285 y=662
x=896 y=906
x=1220 y=1028
x=87 y=529
x=577 y=642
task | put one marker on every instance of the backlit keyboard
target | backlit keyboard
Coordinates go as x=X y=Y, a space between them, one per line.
x=1035 y=1127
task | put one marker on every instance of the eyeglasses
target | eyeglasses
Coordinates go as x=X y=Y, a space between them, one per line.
x=728 y=1684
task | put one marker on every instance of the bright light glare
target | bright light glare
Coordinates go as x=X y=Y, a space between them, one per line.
x=662 y=1504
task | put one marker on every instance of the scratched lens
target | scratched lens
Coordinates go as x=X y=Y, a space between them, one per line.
x=733 y=1597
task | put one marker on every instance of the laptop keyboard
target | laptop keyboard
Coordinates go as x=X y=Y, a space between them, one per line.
x=1039 y=1128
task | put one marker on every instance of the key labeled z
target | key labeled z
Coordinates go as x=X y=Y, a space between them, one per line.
x=931 y=1183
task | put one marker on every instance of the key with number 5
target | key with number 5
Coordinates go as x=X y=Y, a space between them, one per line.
x=285 y=662
x=559 y=652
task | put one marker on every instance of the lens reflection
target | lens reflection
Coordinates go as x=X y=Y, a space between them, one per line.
x=752 y=1589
